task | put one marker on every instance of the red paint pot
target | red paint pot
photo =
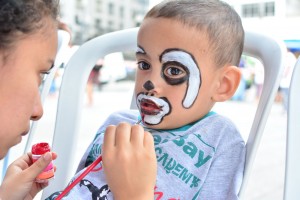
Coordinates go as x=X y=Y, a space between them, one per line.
x=37 y=151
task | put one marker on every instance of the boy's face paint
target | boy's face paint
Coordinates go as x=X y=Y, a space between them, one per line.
x=175 y=62
x=168 y=78
x=177 y=68
x=152 y=109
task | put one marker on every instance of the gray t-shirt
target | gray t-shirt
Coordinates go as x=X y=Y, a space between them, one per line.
x=203 y=160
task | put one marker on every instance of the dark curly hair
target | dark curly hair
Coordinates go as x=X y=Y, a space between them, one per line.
x=23 y=17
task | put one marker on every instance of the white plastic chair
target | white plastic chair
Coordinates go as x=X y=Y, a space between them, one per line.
x=292 y=174
x=272 y=54
x=71 y=99
x=268 y=50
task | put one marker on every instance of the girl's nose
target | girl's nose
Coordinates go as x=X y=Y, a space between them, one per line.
x=37 y=110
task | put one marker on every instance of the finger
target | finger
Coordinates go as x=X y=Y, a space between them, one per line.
x=44 y=184
x=24 y=161
x=148 y=141
x=37 y=167
x=109 y=138
x=54 y=155
x=123 y=132
x=137 y=136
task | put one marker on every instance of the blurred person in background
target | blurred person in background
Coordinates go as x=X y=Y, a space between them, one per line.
x=258 y=78
x=286 y=78
x=240 y=93
x=93 y=81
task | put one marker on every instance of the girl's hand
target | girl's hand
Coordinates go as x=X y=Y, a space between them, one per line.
x=19 y=181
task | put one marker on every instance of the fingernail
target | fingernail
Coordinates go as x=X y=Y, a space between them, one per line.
x=47 y=156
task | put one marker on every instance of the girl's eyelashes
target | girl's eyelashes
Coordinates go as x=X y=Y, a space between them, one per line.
x=44 y=75
x=51 y=67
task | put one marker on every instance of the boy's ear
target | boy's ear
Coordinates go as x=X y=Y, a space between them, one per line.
x=229 y=81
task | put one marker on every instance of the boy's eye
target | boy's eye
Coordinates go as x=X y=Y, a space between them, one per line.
x=143 y=65
x=174 y=72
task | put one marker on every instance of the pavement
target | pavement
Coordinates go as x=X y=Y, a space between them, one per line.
x=267 y=178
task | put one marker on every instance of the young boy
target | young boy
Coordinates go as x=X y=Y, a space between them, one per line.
x=187 y=56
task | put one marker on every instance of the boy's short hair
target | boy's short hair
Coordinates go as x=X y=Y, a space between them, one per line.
x=217 y=19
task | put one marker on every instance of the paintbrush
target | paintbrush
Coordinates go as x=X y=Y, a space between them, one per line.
x=81 y=176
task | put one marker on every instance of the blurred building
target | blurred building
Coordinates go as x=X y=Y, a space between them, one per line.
x=88 y=18
x=279 y=18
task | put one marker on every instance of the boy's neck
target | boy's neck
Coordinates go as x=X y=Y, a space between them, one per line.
x=187 y=126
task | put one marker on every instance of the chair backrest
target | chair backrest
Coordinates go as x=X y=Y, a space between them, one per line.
x=267 y=49
x=272 y=54
x=71 y=98
x=292 y=174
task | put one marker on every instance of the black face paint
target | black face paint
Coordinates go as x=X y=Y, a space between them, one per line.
x=148 y=85
x=180 y=66
x=152 y=109
x=174 y=81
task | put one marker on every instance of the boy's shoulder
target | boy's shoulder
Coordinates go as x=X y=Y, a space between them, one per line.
x=218 y=127
x=216 y=121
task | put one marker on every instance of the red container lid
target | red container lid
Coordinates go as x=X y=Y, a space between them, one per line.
x=40 y=148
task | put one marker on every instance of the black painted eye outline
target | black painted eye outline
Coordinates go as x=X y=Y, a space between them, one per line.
x=141 y=65
x=175 y=79
x=170 y=67
x=194 y=76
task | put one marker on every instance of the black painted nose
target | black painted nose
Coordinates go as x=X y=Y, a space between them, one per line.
x=148 y=86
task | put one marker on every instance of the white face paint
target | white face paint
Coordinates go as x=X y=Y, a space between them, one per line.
x=154 y=110
x=140 y=50
x=194 y=80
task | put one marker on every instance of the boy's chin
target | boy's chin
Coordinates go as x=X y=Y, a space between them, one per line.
x=151 y=125
x=161 y=126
